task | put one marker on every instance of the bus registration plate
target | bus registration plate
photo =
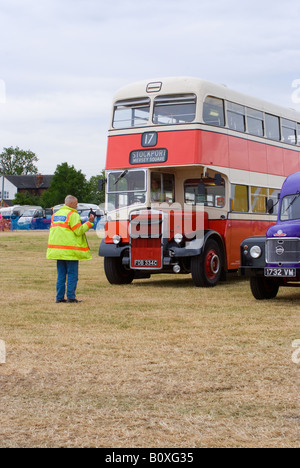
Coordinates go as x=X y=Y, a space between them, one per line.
x=281 y=272
x=145 y=263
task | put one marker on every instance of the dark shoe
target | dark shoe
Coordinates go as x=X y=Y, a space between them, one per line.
x=58 y=301
x=72 y=301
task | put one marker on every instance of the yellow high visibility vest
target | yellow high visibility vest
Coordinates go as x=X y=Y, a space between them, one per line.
x=67 y=240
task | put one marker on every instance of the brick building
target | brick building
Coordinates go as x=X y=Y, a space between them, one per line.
x=35 y=184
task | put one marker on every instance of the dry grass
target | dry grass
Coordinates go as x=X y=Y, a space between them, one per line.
x=155 y=364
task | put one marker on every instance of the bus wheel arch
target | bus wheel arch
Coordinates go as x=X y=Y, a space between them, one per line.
x=209 y=267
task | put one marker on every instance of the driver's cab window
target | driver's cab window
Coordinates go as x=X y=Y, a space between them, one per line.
x=162 y=188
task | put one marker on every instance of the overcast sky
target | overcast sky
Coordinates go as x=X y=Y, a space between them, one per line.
x=62 y=61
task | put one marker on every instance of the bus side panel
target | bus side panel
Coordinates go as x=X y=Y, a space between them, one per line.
x=182 y=148
x=238 y=153
x=257 y=157
x=237 y=231
x=191 y=147
x=214 y=149
x=291 y=162
x=275 y=161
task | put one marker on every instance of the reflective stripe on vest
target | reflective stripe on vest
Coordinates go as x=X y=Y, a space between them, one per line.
x=68 y=247
x=75 y=227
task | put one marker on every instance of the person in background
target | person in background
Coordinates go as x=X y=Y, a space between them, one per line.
x=68 y=245
x=156 y=195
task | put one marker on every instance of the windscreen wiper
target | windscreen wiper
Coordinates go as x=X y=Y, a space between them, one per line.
x=124 y=173
x=293 y=201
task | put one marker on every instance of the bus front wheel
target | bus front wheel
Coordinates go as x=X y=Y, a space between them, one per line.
x=115 y=271
x=207 y=268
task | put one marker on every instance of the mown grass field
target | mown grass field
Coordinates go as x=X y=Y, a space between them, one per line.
x=156 y=364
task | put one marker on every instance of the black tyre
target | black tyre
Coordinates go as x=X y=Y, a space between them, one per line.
x=263 y=288
x=115 y=271
x=207 y=268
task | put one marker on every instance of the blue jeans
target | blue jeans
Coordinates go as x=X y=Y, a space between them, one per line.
x=67 y=271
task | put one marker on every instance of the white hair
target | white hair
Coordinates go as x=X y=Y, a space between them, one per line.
x=70 y=199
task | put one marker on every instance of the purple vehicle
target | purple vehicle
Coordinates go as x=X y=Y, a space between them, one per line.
x=274 y=261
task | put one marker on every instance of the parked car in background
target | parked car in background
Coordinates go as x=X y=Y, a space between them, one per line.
x=10 y=215
x=18 y=211
x=10 y=211
x=34 y=218
x=48 y=213
x=25 y=217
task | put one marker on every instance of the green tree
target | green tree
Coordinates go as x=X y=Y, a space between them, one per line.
x=66 y=181
x=96 y=196
x=18 y=162
x=26 y=199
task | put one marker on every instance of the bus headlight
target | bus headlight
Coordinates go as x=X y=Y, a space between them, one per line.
x=255 y=251
x=117 y=239
x=178 y=238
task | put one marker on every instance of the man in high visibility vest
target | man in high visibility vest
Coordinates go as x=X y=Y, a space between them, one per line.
x=68 y=245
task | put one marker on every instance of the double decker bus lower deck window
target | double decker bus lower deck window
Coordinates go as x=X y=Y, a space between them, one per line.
x=204 y=192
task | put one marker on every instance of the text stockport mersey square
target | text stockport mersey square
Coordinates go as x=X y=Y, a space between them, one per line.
x=148 y=156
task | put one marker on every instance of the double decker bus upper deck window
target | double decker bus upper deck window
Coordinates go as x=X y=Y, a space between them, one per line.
x=236 y=117
x=131 y=113
x=255 y=122
x=289 y=131
x=298 y=134
x=175 y=109
x=272 y=127
x=213 y=111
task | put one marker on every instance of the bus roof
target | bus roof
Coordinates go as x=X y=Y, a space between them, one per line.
x=181 y=85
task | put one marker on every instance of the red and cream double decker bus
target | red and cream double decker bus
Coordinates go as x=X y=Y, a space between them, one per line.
x=191 y=167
